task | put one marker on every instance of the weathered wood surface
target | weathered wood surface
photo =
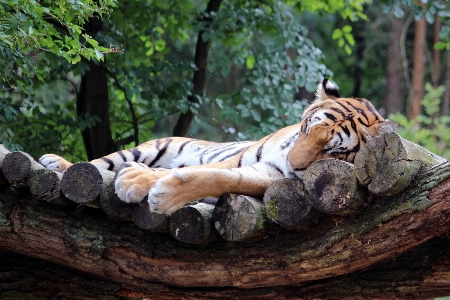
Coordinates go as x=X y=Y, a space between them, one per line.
x=83 y=183
x=332 y=187
x=337 y=246
x=112 y=205
x=286 y=204
x=193 y=224
x=388 y=163
x=147 y=220
x=17 y=166
x=240 y=218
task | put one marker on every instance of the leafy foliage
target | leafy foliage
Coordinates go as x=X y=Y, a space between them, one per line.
x=429 y=130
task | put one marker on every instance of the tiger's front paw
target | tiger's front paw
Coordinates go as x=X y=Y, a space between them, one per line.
x=173 y=191
x=133 y=183
x=54 y=162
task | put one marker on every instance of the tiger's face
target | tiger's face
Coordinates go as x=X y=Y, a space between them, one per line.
x=335 y=127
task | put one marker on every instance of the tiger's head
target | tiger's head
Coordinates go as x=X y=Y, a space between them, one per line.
x=335 y=127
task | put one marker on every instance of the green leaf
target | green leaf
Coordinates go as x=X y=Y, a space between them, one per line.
x=250 y=62
x=337 y=34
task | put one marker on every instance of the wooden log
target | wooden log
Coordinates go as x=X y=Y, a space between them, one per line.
x=147 y=220
x=3 y=153
x=332 y=187
x=17 y=166
x=192 y=224
x=240 y=218
x=388 y=163
x=45 y=185
x=286 y=204
x=112 y=205
x=83 y=183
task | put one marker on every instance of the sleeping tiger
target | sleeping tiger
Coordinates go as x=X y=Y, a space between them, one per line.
x=174 y=171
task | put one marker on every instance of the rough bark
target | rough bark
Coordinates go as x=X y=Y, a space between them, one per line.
x=436 y=66
x=331 y=187
x=17 y=166
x=112 y=205
x=83 y=183
x=283 y=264
x=147 y=220
x=388 y=163
x=201 y=61
x=193 y=224
x=240 y=218
x=286 y=204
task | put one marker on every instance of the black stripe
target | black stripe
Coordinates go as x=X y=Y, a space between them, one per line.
x=124 y=158
x=110 y=162
x=231 y=155
x=183 y=145
x=136 y=153
x=359 y=110
x=346 y=131
x=330 y=116
x=338 y=111
x=343 y=106
x=372 y=110
x=160 y=153
x=273 y=166
x=240 y=159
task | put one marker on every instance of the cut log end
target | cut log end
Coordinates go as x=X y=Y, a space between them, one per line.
x=83 y=183
x=388 y=163
x=112 y=205
x=17 y=166
x=285 y=203
x=192 y=224
x=240 y=218
x=147 y=220
x=45 y=185
x=332 y=187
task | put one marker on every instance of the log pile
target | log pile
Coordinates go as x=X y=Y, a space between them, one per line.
x=385 y=166
x=331 y=233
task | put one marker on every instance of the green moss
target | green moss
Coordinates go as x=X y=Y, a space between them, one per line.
x=271 y=208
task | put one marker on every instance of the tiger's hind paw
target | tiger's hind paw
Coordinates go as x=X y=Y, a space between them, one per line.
x=54 y=162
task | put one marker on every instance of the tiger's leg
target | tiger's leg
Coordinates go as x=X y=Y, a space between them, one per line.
x=171 y=189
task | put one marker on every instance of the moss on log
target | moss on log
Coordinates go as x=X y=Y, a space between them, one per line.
x=388 y=163
x=286 y=204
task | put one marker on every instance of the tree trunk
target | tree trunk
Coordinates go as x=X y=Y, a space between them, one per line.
x=394 y=68
x=435 y=72
x=390 y=240
x=93 y=100
x=201 y=61
x=359 y=53
x=415 y=106
x=446 y=102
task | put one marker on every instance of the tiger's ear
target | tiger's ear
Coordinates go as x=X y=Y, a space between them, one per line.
x=327 y=90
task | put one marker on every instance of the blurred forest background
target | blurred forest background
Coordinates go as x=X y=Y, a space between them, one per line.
x=84 y=78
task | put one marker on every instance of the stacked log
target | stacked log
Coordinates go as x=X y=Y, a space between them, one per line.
x=385 y=166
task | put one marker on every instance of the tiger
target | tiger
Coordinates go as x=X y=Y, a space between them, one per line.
x=174 y=171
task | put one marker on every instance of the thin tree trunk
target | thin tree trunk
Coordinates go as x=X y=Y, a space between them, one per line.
x=415 y=106
x=435 y=72
x=201 y=61
x=359 y=52
x=446 y=102
x=394 y=68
